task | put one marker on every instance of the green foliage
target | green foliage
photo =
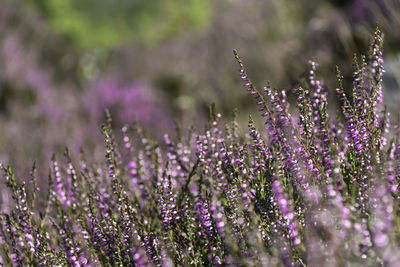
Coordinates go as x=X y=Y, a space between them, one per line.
x=104 y=23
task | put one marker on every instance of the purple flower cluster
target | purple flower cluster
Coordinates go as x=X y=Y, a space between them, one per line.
x=125 y=101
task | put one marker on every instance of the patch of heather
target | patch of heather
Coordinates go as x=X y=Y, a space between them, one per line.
x=125 y=101
x=311 y=189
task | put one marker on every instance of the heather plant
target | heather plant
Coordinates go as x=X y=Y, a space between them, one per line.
x=306 y=189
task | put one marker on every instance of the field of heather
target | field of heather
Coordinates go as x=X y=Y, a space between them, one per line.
x=200 y=133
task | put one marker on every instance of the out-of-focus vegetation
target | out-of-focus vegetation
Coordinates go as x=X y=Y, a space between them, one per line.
x=62 y=62
x=105 y=23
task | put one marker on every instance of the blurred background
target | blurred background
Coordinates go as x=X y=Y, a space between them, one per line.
x=63 y=62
